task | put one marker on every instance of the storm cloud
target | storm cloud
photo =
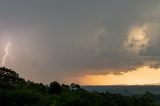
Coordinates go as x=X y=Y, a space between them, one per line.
x=53 y=40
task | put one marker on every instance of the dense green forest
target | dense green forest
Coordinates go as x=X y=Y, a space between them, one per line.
x=16 y=91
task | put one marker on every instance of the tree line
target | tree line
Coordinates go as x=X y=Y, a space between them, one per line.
x=16 y=91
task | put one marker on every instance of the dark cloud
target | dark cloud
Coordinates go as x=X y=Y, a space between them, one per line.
x=52 y=40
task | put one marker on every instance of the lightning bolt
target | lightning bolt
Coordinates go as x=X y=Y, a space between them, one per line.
x=6 y=54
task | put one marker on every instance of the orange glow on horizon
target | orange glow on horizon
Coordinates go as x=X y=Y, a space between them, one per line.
x=140 y=76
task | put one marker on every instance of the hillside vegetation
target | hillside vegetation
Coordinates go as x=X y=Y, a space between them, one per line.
x=16 y=91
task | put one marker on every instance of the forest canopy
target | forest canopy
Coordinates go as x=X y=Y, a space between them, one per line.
x=16 y=91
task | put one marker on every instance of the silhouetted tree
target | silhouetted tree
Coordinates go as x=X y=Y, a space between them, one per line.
x=74 y=86
x=54 y=88
x=8 y=78
x=8 y=75
x=65 y=87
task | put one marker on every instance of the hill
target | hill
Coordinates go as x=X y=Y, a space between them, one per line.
x=16 y=91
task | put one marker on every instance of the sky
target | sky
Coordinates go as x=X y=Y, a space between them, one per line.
x=90 y=42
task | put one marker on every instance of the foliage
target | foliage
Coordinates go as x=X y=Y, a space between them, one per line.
x=16 y=91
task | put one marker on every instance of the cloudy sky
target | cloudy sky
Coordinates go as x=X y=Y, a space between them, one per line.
x=82 y=41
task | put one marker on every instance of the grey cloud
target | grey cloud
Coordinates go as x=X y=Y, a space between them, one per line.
x=53 y=40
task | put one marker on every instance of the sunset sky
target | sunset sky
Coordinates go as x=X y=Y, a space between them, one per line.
x=90 y=42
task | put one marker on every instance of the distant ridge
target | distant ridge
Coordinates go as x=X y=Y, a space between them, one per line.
x=125 y=89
